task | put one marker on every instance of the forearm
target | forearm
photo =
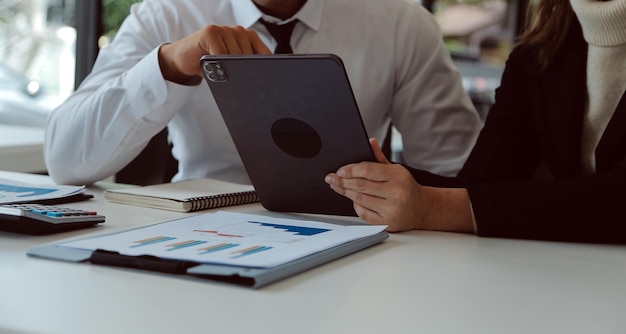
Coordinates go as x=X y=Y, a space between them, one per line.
x=107 y=122
x=586 y=209
x=169 y=70
x=78 y=149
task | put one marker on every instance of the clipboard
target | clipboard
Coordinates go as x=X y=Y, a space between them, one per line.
x=239 y=275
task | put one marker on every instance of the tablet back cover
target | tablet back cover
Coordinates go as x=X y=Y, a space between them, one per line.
x=293 y=119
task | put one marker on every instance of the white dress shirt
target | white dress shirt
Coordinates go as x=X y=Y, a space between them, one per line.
x=397 y=64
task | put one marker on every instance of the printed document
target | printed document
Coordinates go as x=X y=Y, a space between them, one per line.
x=20 y=192
x=229 y=238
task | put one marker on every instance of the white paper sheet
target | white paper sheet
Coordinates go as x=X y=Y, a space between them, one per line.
x=229 y=238
x=20 y=192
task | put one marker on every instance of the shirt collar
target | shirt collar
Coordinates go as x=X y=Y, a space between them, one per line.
x=247 y=14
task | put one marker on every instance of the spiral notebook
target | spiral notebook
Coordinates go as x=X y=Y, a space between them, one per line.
x=185 y=196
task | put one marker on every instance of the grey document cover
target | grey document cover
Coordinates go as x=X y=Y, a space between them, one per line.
x=254 y=277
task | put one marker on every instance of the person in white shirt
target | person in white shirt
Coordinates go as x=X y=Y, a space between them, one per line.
x=149 y=79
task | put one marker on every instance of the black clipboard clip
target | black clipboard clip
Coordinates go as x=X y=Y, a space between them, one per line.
x=143 y=262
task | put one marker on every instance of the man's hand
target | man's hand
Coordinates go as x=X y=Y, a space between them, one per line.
x=180 y=60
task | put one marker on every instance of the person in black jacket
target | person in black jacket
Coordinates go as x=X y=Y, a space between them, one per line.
x=560 y=105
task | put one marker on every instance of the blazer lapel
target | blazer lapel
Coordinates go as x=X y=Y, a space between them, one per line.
x=612 y=146
x=563 y=87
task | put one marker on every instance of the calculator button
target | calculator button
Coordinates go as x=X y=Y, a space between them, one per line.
x=42 y=219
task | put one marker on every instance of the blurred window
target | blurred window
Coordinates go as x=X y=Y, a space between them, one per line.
x=37 y=58
x=479 y=35
x=113 y=14
x=38 y=41
x=476 y=29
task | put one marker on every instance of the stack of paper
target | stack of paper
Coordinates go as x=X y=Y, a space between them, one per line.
x=20 y=192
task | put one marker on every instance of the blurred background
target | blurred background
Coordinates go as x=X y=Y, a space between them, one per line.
x=38 y=47
x=38 y=52
x=47 y=47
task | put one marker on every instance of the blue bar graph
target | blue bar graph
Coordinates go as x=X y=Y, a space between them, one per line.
x=216 y=248
x=298 y=230
x=184 y=244
x=144 y=242
x=250 y=251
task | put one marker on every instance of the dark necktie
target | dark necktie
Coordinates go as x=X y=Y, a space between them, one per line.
x=282 y=35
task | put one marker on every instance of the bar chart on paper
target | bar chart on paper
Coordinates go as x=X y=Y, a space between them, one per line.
x=227 y=238
x=216 y=248
x=150 y=241
x=184 y=244
x=260 y=231
x=220 y=247
x=16 y=192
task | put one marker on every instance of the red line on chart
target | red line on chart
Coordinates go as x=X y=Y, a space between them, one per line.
x=220 y=234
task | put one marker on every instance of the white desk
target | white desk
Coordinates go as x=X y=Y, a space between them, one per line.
x=21 y=149
x=415 y=282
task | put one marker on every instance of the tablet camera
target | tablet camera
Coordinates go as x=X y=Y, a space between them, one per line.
x=215 y=71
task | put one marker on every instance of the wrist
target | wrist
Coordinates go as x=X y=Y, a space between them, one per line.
x=170 y=71
x=449 y=209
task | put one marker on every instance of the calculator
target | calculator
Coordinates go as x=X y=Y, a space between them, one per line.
x=38 y=219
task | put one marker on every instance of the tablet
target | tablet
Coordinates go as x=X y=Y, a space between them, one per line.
x=293 y=119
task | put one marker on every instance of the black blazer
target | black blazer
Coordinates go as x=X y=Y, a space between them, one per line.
x=537 y=119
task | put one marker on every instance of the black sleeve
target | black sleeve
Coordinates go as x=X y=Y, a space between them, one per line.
x=588 y=209
x=507 y=148
x=507 y=203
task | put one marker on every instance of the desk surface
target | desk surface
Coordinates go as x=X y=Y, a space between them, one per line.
x=21 y=149
x=414 y=282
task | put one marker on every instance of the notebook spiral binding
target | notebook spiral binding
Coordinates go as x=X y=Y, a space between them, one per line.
x=216 y=201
